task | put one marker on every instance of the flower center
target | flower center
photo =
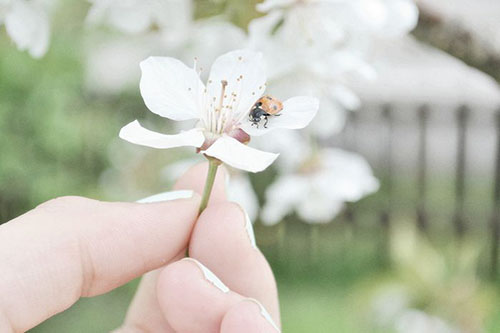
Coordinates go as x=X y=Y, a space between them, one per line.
x=220 y=113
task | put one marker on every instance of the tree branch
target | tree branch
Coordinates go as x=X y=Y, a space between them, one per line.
x=454 y=38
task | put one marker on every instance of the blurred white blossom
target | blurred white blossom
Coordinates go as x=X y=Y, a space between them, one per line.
x=392 y=309
x=209 y=38
x=112 y=60
x=240 y=190
x=292 y=146
x=111 y=63
x=319 y=188
x=323 y=43
x=171 y=17
x=27 y=24
x=416 y=321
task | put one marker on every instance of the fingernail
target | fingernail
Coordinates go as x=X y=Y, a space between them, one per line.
x=168 y=196
x=249 y=228
x=265 y=314
x=209 y=276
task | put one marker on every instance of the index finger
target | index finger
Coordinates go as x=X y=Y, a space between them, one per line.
x=72 y=247
x=144 y=311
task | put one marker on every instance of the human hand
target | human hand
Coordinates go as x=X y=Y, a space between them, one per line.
x=74 y=247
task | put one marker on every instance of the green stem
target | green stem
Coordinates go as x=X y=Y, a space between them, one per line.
x=209 y=183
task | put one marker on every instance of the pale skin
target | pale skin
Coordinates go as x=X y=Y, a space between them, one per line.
x=74 y=247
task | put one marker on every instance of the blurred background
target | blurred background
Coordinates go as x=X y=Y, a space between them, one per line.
x=405 y=236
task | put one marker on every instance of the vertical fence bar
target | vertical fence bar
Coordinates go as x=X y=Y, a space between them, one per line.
x=422 y=219
x=387 y=185
x=459 y=215
x=495 y=219
x=350 y=131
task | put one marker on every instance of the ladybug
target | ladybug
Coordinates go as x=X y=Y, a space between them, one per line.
x=265 y=107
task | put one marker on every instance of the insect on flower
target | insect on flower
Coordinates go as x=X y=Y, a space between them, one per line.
x=264 y=108
x=221 y=108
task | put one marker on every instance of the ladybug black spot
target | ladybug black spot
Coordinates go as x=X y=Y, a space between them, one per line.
x=275 y=107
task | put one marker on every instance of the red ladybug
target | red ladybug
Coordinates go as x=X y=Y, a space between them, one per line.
x=265 y=107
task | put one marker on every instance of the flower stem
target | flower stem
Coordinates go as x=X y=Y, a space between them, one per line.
x=209 y=183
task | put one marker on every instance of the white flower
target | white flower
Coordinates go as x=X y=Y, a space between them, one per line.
x=27 y=24
x=318 y=191
x=111 y=63
x=376 y=17
x=324 y=45
x=138 y=16
x=221 y=108
x=111 y=59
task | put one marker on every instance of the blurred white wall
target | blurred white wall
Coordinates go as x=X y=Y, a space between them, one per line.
x=410 y=74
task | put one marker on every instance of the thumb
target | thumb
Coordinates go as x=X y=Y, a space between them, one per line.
x=72 y=247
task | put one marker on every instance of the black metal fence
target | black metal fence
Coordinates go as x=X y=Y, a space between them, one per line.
x=459 y=220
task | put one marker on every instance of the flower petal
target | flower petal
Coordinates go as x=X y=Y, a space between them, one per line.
x=316 y=208
x=28 y=26
x=131 y=17
x=346 y=97
x=135 y=133
x=282 y=197
x=268 y=5
x=297 y=113
x=330 y=120
x=170 y=88
x=240 y=190
x=240 y=156
x=347 y=176
x=245 y=74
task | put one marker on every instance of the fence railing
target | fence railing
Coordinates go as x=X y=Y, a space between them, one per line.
x=385 y=168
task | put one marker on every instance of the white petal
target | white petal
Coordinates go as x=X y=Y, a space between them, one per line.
x=240 y=156
x=170 y=88
x=240 y=190
x=330 y=120
x=278 y=58
x=293 y=149
x=135 y=133
x=28 y=26
x=282 y=196
x=297 y=113
x=268 y=5
x=346 y=97
x=317 y=208
x=131 y=18
x=403 y=18
x=247 y=64
x=211 y=38
x=346 y=176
